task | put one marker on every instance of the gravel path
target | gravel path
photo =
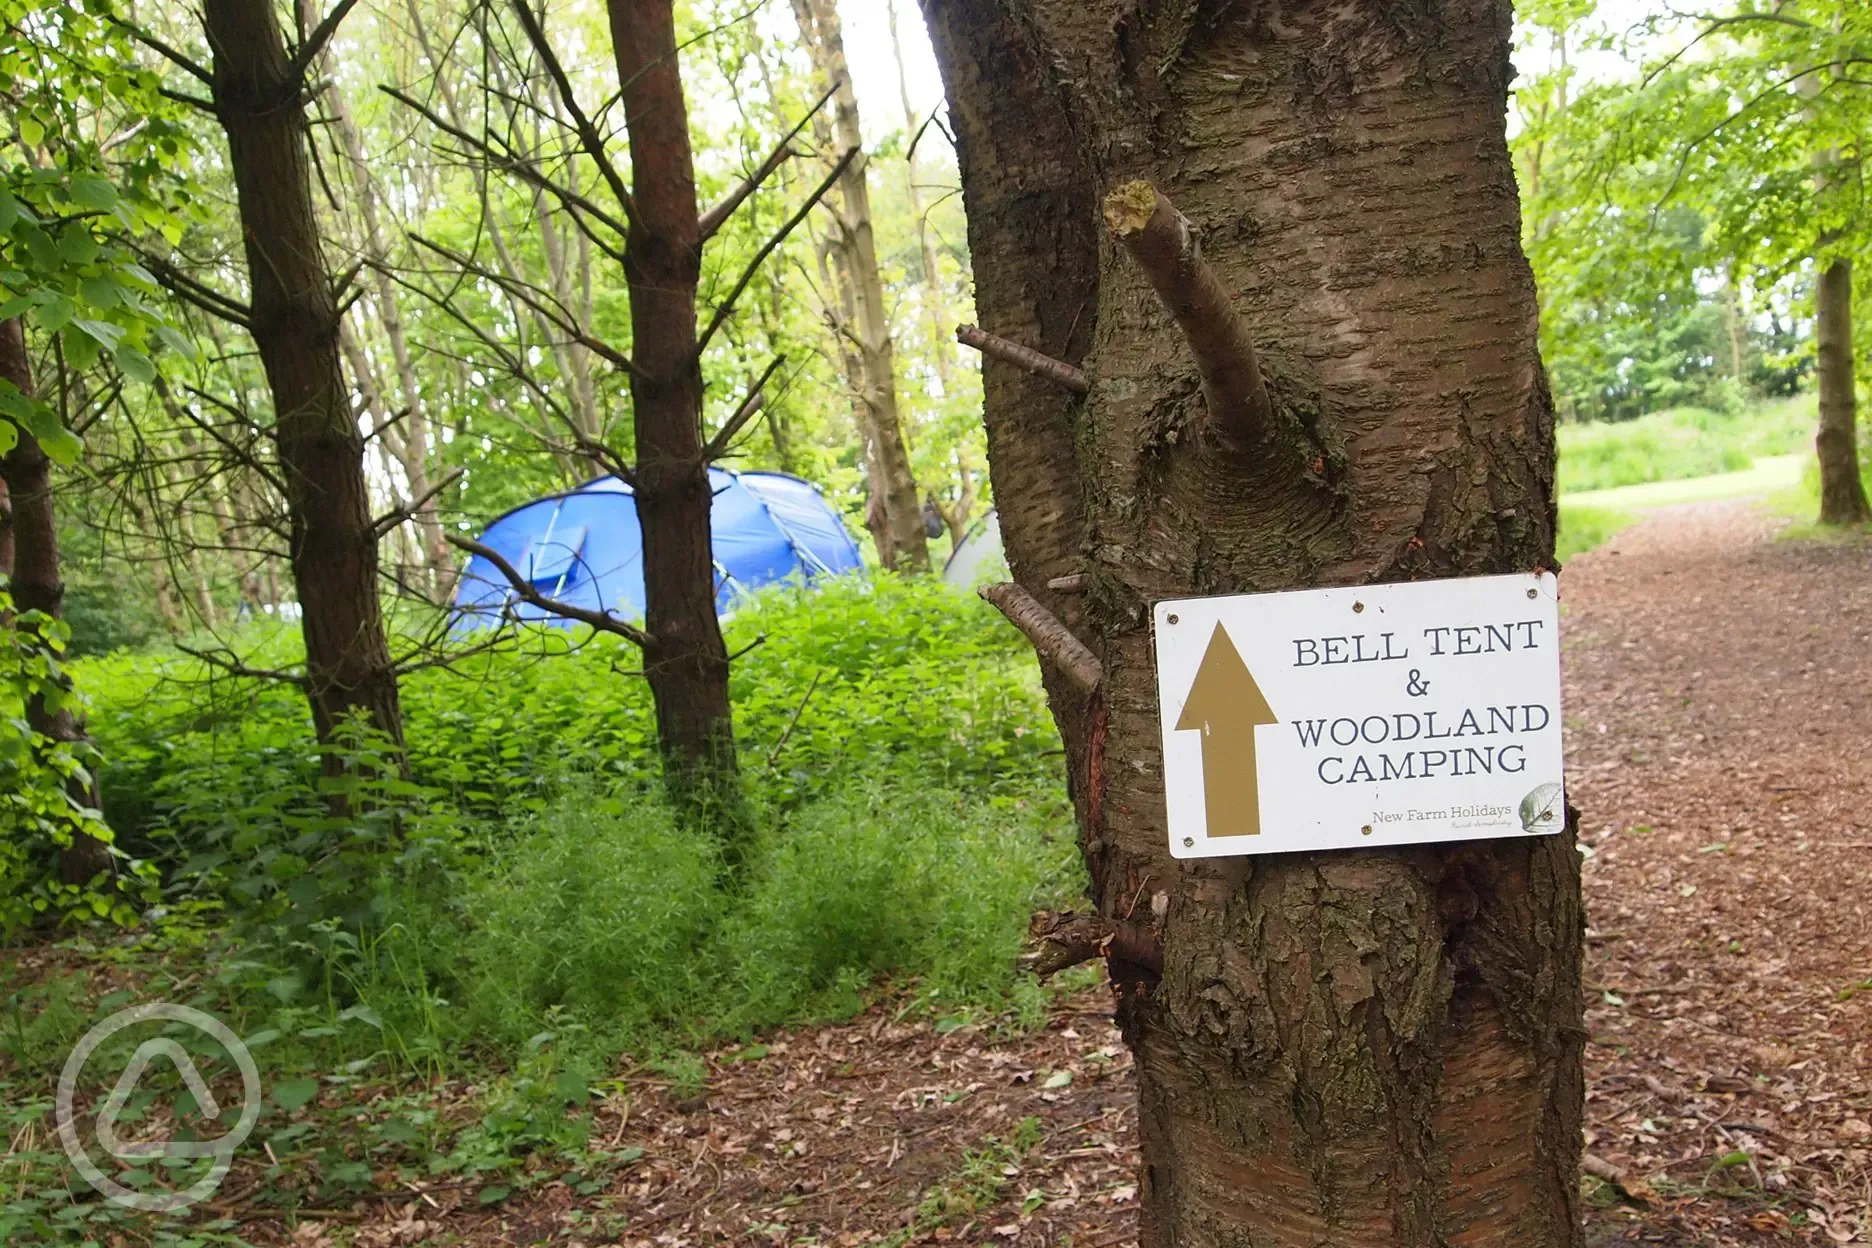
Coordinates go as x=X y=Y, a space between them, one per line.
x=1719 y=709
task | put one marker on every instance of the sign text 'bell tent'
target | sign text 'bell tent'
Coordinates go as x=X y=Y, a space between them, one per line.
x=1368 y=715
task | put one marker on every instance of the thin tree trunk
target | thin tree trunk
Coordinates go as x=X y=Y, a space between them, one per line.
x=295 y=326
x=935 y=299
x=688 y=668
x=867 y=325
x=1380 y=1047
x=6 y=531
x=1842 y=489
x=32 y=563
x=413 y=450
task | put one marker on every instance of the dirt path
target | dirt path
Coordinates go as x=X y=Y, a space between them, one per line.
x=1719 y=710
x=1719 y=705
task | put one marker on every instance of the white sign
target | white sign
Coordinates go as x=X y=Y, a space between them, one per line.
x=1370 y=715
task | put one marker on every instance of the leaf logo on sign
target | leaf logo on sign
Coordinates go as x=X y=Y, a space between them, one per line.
x=1226 y=706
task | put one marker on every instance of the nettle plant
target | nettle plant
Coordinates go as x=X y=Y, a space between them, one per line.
x=42 y=783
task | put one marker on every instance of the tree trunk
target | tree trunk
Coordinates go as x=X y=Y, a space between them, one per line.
x=1842 y=490
x=687 y=668
x=413 y=445
x=6 y=531
x=1376 y=1047
x=295 y=325
x=866 y=322
x=32 y=563
x=935 y=309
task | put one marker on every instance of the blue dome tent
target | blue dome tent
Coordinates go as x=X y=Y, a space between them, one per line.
x=585 y=548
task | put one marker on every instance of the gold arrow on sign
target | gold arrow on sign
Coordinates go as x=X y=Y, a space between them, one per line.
x=1225 y=705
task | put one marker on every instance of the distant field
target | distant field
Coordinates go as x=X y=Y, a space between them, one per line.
x=1680 y=443
x=1611 y=473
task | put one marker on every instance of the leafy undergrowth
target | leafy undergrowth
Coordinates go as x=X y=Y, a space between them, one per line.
x=438 y=990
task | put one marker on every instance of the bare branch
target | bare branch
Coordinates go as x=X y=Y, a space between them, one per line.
x=187 y=289
x=1056 y=371
x=389 y=520
x=716 y=217
x=511 y=164
x=193 y=68
x=560 y=317
x=526 y=591
x=1067 y=939
x=1053 y=641
x=773 y=755
x=593 y=449
x=234 y=667
x=726 y=307
x=1160 y=239
x=197 y=102
x=589 y=138
x=750 y=407
x=316 y=41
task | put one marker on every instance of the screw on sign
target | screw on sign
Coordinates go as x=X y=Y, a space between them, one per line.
x=1435 y=717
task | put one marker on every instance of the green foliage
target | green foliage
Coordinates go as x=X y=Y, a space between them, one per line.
x=1678 y=443
x=899 y=762
x=1587 y=528
x=94 y=166
x=912 y=679
x=1676 y=213
x=609 y=916
x=42 y=783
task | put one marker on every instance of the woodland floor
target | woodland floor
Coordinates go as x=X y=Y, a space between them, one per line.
x=1719 y=705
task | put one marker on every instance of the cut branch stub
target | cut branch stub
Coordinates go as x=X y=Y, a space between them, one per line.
x=1057 y=371
x=1053 y=641
x=1160 y=239
x=1067 y=939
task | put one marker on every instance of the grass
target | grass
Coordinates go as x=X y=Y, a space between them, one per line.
x=1799 y=503
x=1680 y=443
x=1612 y=473
x=1583 y=528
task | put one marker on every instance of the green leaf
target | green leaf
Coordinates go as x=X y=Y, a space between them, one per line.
x=31 y=131
x=175 y=342
x=135 y=365
x=93 y=193
x=295 y=1093
x=63 y=447
x=99 y=292
x=55 y=313
x=107 y=334
x=76 y=246
x=494 y=1195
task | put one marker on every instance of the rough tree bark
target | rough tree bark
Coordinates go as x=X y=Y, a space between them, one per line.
x=687 y=667
x=259 y=97
x=29 y=556
x=1378 y=1047
x=864 y=323
x=1842 y=489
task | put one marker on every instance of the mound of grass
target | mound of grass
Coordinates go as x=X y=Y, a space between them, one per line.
x=1680 y=442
